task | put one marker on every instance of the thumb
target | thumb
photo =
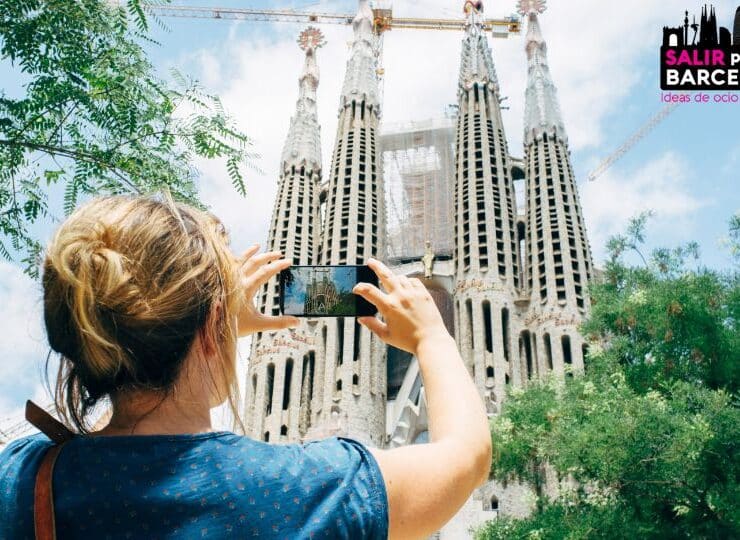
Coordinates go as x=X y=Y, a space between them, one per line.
x=375 y=325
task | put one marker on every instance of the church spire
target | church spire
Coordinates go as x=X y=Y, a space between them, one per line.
x=304 y=138
x=476 y=65
x=361 y=79
x=542 y=110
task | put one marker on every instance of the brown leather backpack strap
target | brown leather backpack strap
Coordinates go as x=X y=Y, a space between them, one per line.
x=43 y=494
x=47 y=424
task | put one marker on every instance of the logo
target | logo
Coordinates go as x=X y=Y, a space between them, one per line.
x=701 y=56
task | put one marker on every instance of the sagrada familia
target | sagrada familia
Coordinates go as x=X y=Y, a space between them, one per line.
x=513 y=290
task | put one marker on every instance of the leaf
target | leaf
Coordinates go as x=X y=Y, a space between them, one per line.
x=4 y=253
x=70 y=196
x=237 y=180
x=136 y=9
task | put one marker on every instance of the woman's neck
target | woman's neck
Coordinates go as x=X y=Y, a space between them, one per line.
x=185 y=408
x=146 y=413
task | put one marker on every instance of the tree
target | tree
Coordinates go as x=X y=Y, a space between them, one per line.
x=647 y=442
x=94 y=118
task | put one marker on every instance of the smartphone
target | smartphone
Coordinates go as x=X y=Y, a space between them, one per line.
x=325 y=291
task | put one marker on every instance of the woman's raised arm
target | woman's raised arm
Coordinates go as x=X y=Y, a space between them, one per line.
x=428 y=483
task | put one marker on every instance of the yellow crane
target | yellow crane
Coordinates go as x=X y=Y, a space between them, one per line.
x=384 y=18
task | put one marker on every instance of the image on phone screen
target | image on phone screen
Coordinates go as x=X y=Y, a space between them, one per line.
x=325 y=291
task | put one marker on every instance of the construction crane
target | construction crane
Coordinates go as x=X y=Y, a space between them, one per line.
x=384 y=19
x=632 y=141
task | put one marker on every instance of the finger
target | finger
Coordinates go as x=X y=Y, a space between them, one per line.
x=267 y=322
x=384 y=274
x=372 y=294
x=404 y=282
x=374 y=325
x=251 y=265
x=265 y=273
x=249 y=253
x=262 y=258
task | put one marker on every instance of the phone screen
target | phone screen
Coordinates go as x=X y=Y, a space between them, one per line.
x=325 y=291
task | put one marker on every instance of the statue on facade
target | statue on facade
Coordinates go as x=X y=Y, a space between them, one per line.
x=428 y=261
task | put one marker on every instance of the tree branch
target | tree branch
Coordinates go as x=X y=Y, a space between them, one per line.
x=74 y=154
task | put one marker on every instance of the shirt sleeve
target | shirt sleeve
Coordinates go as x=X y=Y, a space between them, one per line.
x=355 y=505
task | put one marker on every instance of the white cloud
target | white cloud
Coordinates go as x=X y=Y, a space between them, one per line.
x=662 y=185
x=23 y=347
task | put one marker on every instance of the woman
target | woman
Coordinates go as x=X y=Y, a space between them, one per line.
x=144 y=302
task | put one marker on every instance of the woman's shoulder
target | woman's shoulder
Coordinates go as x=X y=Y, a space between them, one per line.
x=18 y=461
x=24 y=448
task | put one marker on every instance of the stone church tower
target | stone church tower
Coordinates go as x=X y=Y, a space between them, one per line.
x=486 y=255
x=281 y=365
x=352 y=363
x=558 y=257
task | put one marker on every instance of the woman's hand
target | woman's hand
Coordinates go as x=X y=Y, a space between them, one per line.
x=256 y=270
x=410 y=314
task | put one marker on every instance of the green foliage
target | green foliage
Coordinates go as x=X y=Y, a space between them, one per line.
x=666 y=322
x=646 y=444
x=94 y=118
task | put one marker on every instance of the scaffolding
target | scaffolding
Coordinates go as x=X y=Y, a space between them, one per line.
x=419 y=171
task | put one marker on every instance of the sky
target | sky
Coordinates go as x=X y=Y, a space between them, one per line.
x=604 y=61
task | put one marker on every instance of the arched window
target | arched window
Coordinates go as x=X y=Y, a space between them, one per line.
x=505 y=332
x=309 y=361
x=269 y=388
x=356 y=346
x=488 y=326
x=567 y=355
x=525 y=345
x=283 y=430
x=286 y=383
x=494 y=503
x=254 y=387
x=469 y=325
x=267 y=436
x=548 y=350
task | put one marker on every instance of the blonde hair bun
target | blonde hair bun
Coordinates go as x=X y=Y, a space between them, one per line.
x=128 y=282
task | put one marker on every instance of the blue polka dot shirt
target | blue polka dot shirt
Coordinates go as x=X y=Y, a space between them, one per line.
x=212 y=485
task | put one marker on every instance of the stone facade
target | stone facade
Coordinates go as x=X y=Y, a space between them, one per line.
x=514 y=290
